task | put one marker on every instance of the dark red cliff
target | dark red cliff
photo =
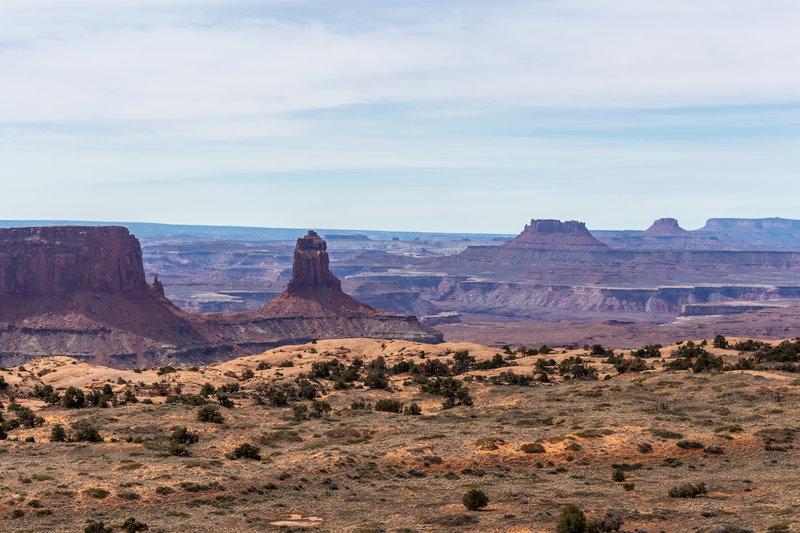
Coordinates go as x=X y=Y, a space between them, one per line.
x=66 y=259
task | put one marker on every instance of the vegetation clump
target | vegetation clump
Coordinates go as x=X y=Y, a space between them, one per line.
x=475 y=499
x=209 y=413
x=688 y=490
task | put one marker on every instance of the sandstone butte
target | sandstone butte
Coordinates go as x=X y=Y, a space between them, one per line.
x=81 y=291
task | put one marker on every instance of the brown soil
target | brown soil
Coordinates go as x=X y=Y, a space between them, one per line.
x=366 y=470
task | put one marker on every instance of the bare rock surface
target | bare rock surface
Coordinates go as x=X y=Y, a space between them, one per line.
x=556 y=235
x=81 y=291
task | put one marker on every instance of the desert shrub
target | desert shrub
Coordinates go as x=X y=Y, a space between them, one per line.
x=496 y=361
x=611 y=521
x=532 y=447
x=623 y=365
x=223 y=400
x=690 y=350
x=178 y=450
x=359 y=405
x=27 y=418
x=511 y=378
x=164 y=490
x=57 y=434
x=462 y=361
x=450 y=388
x=166 y=370
x=46 y=393
x=97 y=527
x=247 y=451
x=376 y=381
x=247 y=374
x=286 y=364
x=97 y=493
x=324 y=369
x=688 y=490
x=475 y=499
x=707 y=363
x=129 y=397
x=720 y=342
x=412 y=410
x=319 y=408
x=131 y=525
x=207 y=389
x=681 y=363
x=263 y=365
x=750 y=346
x=574 y=367
x=278 y=398
x=300 y=412
x=433 y=367
x=689 y=444
x=651 y=350
x=388 y=405
x=182 y=435
x=618 y=475
x=666 y=434
x=73 y=398
x=645 y=447
x=209 y=413
x=572 y=520
x=598 y=349
x=88 y=434
x=306 y=389
x=401 y=367
x=714 y=450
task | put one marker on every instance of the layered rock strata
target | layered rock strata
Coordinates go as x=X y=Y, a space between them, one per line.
x=82 y=292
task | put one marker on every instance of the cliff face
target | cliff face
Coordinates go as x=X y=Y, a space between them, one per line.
x=310 y=267
x=82 y=292
x=65 y=259
x=313 y=306
x=556 y=235
x=665 y=227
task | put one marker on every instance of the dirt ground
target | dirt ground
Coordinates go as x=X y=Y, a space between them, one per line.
x=617 y=444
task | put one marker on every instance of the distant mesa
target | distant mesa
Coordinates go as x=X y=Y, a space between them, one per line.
x=81 y=291
x=359 y=237
x=665 y=227
x=556 y=235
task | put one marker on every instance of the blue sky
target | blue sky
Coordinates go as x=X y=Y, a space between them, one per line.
x=404 y=115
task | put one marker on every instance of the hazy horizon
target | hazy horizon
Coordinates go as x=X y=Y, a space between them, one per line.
x=460 y=116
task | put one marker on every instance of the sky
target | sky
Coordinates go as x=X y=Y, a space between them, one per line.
x=452 y=115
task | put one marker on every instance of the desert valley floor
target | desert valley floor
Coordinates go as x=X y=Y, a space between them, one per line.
x=384 y=439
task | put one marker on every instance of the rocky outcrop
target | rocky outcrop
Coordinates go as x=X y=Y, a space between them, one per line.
x=665 y=227
x=82 y=292
x=556 y=235
x=65 y=259
x=313 y=306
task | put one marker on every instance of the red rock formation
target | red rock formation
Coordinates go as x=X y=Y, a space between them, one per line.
x=65 y=259
x=665 y=227
x=81 y=291
x=310 y=267
x=313 y=306
x=556 y=235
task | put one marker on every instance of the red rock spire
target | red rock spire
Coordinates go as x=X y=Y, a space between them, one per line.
x=310 y=266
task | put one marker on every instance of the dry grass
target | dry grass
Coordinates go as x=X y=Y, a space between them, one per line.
x=352 y=470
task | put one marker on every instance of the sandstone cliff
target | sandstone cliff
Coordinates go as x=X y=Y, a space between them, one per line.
x=556 y=235
x=82 y=292
x=665 y=227
x=313 y=306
